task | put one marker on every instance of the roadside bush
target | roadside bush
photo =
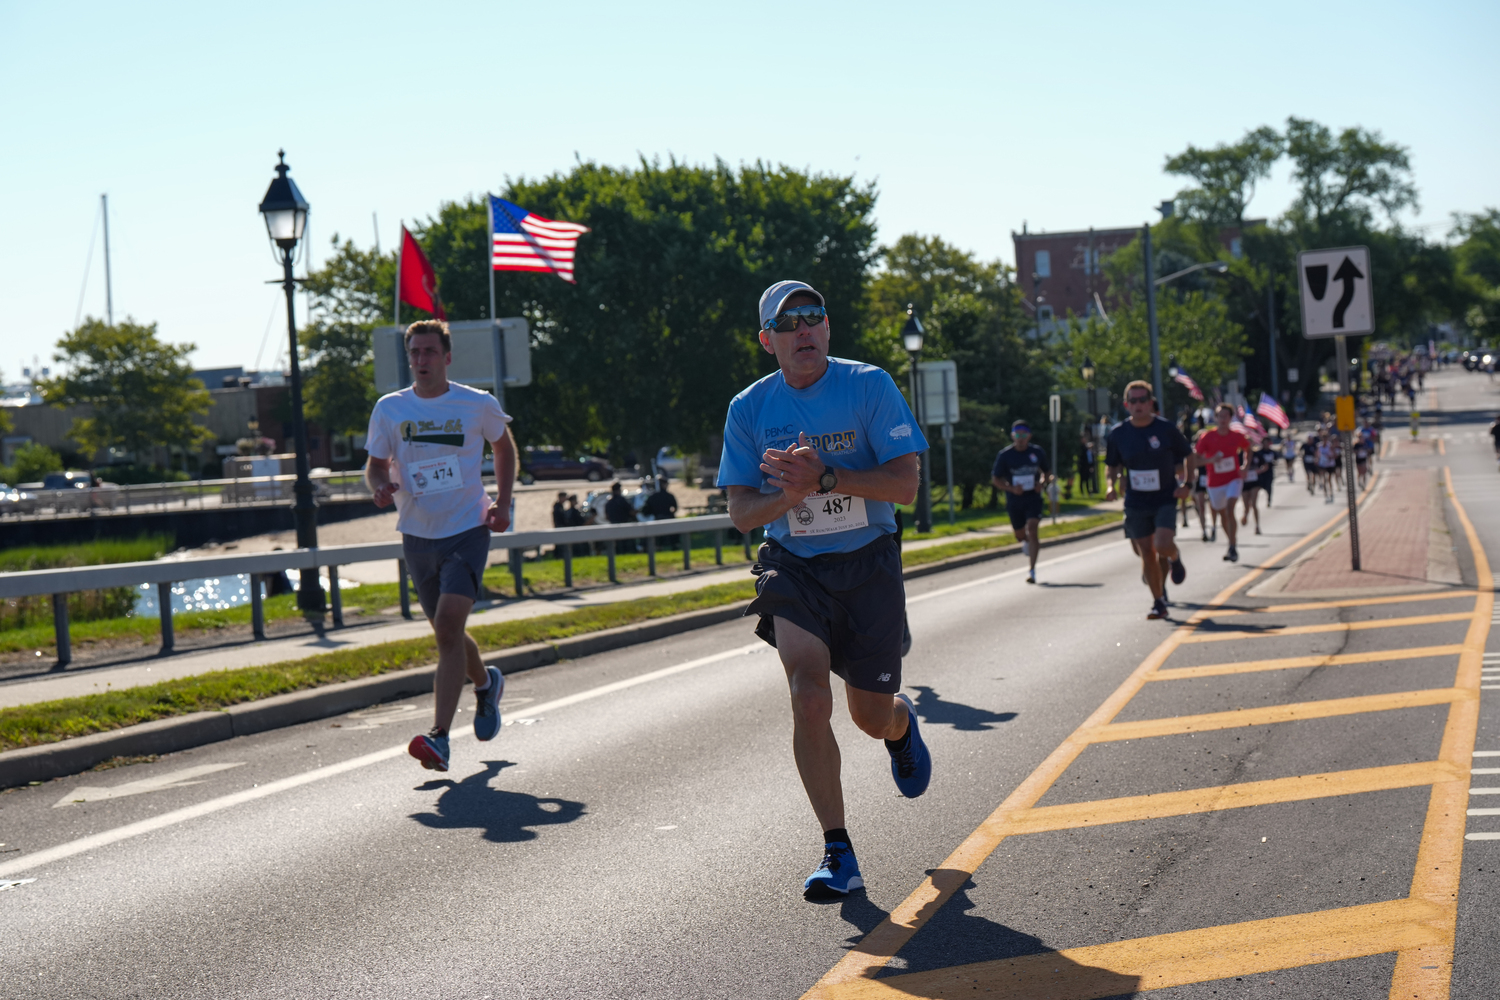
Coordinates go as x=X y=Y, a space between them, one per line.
x=84 y=605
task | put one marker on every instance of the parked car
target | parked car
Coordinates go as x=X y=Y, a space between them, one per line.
x=553 y=463
x=14 y=501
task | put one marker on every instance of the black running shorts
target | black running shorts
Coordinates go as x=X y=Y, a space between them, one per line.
x=854 y=601
x=1023 y=508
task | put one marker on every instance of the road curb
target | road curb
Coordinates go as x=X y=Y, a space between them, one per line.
x=183 y=732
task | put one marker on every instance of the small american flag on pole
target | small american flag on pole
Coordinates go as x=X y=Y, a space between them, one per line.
x=524 y=241
x=1182 y=378
x=1272 y=411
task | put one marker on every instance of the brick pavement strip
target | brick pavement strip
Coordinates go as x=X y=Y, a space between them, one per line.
x=1393 y=536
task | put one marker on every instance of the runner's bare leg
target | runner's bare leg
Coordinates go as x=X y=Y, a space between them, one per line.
x=457 y=655
x=1034 y=540
x=805 y=659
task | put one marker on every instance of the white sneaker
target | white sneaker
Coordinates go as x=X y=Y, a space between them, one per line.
x=1025 y=547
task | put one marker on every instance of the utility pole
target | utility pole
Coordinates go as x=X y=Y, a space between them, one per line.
x=1151 y=318
x=1271 y=331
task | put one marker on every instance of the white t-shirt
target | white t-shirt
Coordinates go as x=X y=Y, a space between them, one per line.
x=437 y=446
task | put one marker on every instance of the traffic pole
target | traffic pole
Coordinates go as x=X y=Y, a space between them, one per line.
x=1344 y=413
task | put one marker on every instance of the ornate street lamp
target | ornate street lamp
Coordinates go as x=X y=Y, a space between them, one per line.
x=911 y=339
x=285 y=211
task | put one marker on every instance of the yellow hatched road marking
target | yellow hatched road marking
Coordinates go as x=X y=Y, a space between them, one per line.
x=1457 y=616
x=876 y=948
x=1102 y=812
x=1180 y=959
x=1356 y=602
x=1300 y=662
x=1273 y=714
x=1425 y=970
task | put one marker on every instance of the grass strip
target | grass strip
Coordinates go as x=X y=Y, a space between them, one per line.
x=49 y=722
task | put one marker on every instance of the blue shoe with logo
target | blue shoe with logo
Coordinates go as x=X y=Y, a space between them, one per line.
x=431 y=749
x=912 y=767
x=487 y=706
x=836 y=877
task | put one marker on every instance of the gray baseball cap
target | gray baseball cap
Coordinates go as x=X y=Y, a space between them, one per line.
x=772 y=298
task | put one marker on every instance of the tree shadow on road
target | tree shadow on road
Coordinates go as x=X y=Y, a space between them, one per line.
x=966 y=718
x=955 y=936
x=505 y=817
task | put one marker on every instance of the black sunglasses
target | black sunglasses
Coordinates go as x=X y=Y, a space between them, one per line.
x=786 y=321
x=1137 y=399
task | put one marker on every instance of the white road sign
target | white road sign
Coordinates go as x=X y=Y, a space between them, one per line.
x=937 y=381
x=1336 y=296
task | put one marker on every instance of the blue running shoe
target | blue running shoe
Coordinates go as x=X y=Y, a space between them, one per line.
x=487 y=707
x=912 y=767
x=837 y=876
x=431 y=749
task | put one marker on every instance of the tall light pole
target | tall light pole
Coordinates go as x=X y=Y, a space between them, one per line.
x=285 y=211
x=911 y=338
x=1156 y=386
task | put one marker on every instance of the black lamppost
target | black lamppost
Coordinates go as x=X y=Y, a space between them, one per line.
x=285 y=211
x=911 y=338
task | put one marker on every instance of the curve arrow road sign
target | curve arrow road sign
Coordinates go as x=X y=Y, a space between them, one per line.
x=1349 y=313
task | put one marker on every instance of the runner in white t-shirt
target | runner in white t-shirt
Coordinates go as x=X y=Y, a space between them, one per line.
x=426 y=444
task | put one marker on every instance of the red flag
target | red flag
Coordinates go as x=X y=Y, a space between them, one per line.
x=418 y=279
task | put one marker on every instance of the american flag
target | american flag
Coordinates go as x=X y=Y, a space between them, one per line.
x=1272 y=411
x=1250 y=421
x=523 y=241
x=1186 y=381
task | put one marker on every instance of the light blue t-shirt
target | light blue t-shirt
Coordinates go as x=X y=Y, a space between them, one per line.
x=856 y=418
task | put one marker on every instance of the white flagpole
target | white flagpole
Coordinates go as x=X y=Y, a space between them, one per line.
x=489 y=259
x=400 y=245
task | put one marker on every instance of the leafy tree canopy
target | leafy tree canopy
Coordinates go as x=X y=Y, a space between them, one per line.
x=1226 y=175
x=142 y=391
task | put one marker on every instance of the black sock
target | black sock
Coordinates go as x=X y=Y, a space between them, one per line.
x=438 y=731
x=837 y=835
x=896 y=746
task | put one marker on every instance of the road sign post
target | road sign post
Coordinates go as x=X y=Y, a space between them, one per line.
x=1347 y=312
x=1054 y=414
x=937 y=387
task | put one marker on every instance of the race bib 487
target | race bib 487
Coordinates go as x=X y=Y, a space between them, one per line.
x=824 y=513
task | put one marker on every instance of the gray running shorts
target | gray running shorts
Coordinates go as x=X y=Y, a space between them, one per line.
x=452 y=565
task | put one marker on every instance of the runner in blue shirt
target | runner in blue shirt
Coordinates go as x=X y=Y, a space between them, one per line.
x=1150 y=452
x=818 y=452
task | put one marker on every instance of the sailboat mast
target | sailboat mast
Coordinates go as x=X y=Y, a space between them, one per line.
x=109 y=294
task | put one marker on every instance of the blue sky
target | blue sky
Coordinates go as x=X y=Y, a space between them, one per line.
x=970 y=117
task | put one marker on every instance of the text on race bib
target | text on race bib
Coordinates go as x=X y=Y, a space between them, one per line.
x=1027 y=481
x=825 y=513
x=1145 y=480
x=1251 y=476
x=1224 y=464
x=433 y=475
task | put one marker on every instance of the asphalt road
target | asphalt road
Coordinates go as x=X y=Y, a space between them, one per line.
x=638 y=829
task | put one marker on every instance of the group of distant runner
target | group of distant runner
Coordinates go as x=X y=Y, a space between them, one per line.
x=818 y=454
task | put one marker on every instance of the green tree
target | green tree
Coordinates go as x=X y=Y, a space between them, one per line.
x=350 y=297
x=1477 y=255
x=33 y=461
x=1226 y=175
x=141 y=391
x=1352 y=173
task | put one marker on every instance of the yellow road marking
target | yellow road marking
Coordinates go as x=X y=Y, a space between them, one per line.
x=1300 y=662
x=1273 y=714
x=1442 y=447
x=1457 y=616
x=1180 y=959
x=1425 y=970
x=1356 y=602
x=876 y=948
x=1102 y=812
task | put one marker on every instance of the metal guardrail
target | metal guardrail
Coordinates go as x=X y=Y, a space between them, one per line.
x=188 y=494
x=61 y=582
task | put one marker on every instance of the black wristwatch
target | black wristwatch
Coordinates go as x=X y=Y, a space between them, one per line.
x=828 y=480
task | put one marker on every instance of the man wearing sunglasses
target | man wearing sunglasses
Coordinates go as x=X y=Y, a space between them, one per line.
x=819 y=453
x=1022 y=471
x=1150 y=451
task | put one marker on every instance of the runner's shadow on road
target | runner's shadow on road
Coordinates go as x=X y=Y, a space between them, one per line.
x=505 y=817
x=965 y=718
x=954 y=936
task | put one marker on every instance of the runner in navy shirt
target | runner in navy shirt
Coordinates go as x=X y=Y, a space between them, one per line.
x=1022 y=471
x=1148 y=453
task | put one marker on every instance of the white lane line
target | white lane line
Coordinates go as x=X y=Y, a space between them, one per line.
x=1472 y=791
x=1484 y=812
x=1484 y=770
x=156 y=783
x=1489 y=687
x=1482 y=836
x=1018 y=571
x=176 y=816
x=1487 y=753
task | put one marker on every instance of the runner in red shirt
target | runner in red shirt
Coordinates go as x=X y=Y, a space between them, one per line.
x=1220 y=450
